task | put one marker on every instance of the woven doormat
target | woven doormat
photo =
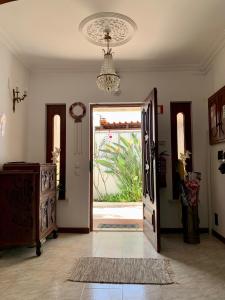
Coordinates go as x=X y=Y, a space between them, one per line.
x=122 y=270
x=120 y=226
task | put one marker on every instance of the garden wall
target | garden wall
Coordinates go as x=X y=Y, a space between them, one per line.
x=104 y=183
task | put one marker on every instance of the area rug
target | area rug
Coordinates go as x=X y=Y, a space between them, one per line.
x=122 y=270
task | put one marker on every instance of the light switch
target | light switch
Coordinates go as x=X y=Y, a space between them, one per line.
x=77 y=169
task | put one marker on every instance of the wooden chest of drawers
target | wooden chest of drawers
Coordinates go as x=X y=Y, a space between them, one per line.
x=27 y=204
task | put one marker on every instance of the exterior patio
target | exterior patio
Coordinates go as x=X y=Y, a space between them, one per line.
x=128 y=215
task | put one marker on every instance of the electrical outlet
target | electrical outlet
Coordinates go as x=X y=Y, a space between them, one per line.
x=216 y=218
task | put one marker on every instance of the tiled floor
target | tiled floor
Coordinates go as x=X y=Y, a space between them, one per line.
x=199 y=269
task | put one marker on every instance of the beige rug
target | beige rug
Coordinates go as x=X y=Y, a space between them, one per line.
x=122 y=270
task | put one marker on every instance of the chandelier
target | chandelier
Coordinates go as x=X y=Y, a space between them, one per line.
x=108 y=80
x=108 y=29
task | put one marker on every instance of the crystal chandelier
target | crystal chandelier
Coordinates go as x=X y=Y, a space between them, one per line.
x=108 y=80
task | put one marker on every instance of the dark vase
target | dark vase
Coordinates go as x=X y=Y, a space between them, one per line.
x=190 y=222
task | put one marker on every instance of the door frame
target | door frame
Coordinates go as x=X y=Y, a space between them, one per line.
x=91 y=138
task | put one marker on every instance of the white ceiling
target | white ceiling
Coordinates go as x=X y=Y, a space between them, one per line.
x=171 y=33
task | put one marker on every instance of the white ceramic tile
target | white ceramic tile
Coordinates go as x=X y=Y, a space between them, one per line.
x=102 y=294
x=199 y=269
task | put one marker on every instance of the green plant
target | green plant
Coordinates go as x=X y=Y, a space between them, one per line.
x=123 y=160
x=118 y=197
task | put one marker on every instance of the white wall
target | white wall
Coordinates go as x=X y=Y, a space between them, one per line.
x=68 y=87
x=215 y=80
x=12 y=74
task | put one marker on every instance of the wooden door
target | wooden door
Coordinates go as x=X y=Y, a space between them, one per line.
x=151 y=202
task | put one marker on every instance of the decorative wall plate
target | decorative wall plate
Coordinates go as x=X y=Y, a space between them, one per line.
x=77 y=111
x=120 y=27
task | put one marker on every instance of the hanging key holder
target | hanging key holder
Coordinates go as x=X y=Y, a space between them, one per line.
x=78 y=111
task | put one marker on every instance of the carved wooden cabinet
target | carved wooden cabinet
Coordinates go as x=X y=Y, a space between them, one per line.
x=216 y=106
x=27 y=204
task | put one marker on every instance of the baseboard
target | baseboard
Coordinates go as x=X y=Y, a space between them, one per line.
x=162 y=230
x=73 y=230
x=180 y=230
x=204 y=230
x=171 y=230
x=218 y=236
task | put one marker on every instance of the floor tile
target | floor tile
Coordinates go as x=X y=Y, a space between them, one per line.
x=141 y=292
x=199 y=269
x=102 y=294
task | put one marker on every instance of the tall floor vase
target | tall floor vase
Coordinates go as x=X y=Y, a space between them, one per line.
x=190 y=222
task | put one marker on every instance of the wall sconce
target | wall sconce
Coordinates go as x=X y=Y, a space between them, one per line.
x=16 y=98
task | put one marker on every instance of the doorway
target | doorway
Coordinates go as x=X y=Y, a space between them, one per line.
x=116 y=167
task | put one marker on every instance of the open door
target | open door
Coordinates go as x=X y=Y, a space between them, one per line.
x=151 y=202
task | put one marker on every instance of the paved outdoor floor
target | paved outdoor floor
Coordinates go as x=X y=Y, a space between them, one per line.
x=118 y=211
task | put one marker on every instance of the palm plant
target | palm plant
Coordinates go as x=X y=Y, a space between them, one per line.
x=123 y=160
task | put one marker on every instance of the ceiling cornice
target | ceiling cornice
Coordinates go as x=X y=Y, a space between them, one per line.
x=216 y=47
x=144 y=66
x=7 y=41
x=121 y=67
x=139 y=66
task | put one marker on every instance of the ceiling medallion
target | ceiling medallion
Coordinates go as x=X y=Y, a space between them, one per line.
x=121 y=28
x=108 y=30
